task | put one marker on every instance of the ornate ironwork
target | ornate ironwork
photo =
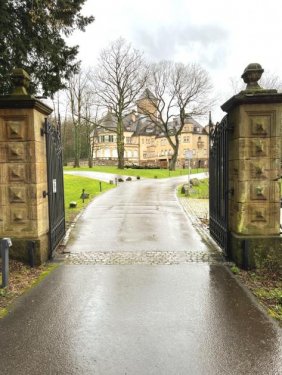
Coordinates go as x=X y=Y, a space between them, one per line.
x=218 y=186
x=55 y=186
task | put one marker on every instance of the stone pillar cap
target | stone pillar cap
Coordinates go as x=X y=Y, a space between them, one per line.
x=252 y=74
x=21 y=81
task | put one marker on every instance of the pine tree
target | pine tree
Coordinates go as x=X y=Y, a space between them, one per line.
x=33 y=37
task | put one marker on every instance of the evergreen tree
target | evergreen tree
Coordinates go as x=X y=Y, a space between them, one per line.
x=33 y=36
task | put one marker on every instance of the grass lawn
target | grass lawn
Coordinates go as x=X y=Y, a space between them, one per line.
x=145 y=173
x=73 y=190
x=200 y=192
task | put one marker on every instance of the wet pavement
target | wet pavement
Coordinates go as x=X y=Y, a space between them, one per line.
x=136 y=216
x=141 y=309
x=139 y=320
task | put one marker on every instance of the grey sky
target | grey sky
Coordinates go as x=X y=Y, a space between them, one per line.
x=166 y=41
x=223 y=36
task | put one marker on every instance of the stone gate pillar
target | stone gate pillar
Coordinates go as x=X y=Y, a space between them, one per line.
x=255 y=119
x=23 y=176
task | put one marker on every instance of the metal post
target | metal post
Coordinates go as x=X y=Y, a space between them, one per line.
x=189 y=171
x=245 y=255
x=31 y=253
x=100 y=184
x=5 y=244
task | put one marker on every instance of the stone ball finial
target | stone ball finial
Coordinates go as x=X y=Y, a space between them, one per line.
x=252 y=75
x=21 y=81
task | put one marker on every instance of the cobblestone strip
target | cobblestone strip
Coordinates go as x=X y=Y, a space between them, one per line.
x=197 y=209
x=198 y=212
x=143 y=257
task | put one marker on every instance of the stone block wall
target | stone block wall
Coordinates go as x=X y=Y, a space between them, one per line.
x=23 y=178
x=254 y=169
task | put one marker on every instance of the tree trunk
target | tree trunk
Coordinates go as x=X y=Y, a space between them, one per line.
x=90 y=155
x=172 y=164
x=120 y=144
x=76 y=147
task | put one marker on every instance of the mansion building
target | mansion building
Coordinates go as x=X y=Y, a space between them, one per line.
x=144 y=143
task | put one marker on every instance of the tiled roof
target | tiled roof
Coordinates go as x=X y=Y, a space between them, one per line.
x=147 y=94
x=143 y=126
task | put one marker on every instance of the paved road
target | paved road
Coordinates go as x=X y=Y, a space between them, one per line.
x=131 y=311
x=136 y=216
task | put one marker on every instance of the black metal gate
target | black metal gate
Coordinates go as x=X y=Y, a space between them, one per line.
x=55 y=193
x=218 y=184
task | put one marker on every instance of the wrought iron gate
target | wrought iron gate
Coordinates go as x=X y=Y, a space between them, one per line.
x=55 y=186
x=218 y=185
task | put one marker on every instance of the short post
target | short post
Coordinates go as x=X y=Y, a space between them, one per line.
x=5 y=244
x=100 y=185
x=31 y=253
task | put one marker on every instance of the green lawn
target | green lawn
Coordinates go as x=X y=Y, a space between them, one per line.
x=200 y=192
x=145 y=173
x=73 y=190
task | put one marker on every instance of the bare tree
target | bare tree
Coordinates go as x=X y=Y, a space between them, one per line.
x=78 y=97
x=176 y=90
x=120 y=76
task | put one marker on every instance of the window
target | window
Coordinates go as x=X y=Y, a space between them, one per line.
x=102 y=138
x=111 y=138
x=186 y=139
x=127 y=140
x=200 y=143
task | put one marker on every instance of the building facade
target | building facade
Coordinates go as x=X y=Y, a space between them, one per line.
x=145 y=145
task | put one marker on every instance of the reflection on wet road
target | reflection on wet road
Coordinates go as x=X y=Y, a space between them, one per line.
x=139 y=294
x=140 y=215
x=139 y=319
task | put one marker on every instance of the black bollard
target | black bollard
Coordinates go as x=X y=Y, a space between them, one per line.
x=31 y=253
x=5 y=243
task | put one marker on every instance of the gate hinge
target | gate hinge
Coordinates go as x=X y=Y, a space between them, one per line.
x=42 y=132
x=230 y=127
x=230 y=191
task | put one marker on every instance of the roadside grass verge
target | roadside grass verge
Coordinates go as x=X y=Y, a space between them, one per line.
x=265 y=284
x=267 y=287
x=196 y=192
x=145 y=173
x=21 y=278
x=73 y=186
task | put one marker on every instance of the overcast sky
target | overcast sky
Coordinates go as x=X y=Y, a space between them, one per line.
x=223 y=36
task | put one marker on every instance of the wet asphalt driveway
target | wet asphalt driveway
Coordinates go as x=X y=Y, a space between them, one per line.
x=136 y=216
x=140 y=294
